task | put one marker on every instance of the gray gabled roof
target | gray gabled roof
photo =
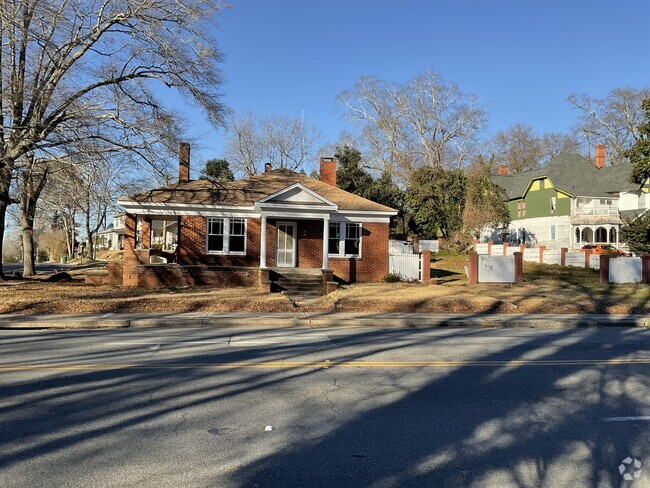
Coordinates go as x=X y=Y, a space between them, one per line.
x=572 y=174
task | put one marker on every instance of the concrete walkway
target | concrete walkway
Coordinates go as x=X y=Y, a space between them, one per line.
x=317 y=319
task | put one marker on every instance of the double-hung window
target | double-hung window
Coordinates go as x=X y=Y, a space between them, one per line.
x=226 y=236
x=345 y=239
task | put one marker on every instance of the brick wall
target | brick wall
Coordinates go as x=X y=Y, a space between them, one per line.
x=373 y=264
x=163 y=276
x=191 y=245
x=310 y=244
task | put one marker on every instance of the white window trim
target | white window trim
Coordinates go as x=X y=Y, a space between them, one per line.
x=341 y=253
x=226 y=236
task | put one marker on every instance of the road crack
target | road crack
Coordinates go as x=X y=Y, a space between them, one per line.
x=180 y=423
x=327 y=395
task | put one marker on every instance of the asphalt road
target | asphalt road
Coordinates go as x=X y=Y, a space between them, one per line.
x=339 y=407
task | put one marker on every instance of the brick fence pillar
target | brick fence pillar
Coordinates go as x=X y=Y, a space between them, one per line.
x=519 y=267
x=505 y=248
x=541 y=254
x=416 y=245
x=490 y=247
x=475 y=244
x=440 y=239
x=587 y=257
x=645 y=269
x=563 y=251
x=426 y=266
x=146 y=233
x=521 y=248
x=473 y=268
x=604 y=269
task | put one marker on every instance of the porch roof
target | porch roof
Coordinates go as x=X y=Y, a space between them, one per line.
x=249 y=191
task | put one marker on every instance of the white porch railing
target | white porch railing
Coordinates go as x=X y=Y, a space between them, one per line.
x=599 y=210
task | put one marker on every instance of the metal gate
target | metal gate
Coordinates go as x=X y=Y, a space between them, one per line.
x=625 y=270
x=496 y=269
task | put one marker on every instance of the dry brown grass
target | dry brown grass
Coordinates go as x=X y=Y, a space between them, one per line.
x=548 y=289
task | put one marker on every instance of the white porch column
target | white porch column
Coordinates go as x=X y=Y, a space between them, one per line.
x=608 y=230
x=618 y=228
x=326 y=238
x=263 y=243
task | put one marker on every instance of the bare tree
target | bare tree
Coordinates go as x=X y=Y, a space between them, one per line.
x=283 y=141
x=425 y=121
x=66 y=65
x=33 y=178
x=244 y=146
x=518 y=147
x=612 y=120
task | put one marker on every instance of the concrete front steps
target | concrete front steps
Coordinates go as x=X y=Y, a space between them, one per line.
x=303 y=282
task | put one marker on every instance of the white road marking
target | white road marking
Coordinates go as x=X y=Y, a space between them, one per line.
x=627 y=419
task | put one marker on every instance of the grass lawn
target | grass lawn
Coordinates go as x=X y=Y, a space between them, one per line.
x=547 y=289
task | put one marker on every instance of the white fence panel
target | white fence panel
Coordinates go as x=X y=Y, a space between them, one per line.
x=497 y=250
x=552 y=256
x=510 y=251
x=406 y=266
x=594 y=261
x=625 y=270
x=575 y=259
x=496 y=269
x=429 y=245
x=399 y=247
x=481 y=248
x=531 y=254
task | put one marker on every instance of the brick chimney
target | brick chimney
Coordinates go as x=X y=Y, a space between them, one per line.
x=502 y=170
x=600 y=156
x=268 y=167
x=328 y=171
x=184 y=163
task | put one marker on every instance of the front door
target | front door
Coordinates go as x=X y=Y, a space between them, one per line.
x=286 y=245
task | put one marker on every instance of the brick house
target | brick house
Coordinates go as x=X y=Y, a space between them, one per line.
x=245 y=232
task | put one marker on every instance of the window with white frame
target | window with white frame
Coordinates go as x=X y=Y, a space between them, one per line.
x=344 y=239
x=226 y=236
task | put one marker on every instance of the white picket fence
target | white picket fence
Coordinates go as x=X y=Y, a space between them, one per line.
x=406 y=266
x=625 y=270
x=496 y=269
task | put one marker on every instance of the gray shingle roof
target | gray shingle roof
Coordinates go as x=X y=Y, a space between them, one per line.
x=573 y=174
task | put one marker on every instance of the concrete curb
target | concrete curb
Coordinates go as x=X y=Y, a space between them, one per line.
x=315 y=320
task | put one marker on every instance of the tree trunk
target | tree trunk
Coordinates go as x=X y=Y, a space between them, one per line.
x=29 y=258
x=31 y=191
x=3 y=214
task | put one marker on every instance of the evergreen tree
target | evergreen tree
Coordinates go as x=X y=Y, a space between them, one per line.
x=218 y=171
x=636 y=232
x=350 y=175
x=639 y=153
x=436 y=197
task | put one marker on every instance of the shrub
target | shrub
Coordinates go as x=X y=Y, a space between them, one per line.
x=392 y=278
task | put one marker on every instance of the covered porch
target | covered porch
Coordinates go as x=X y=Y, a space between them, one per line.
x=600 y=234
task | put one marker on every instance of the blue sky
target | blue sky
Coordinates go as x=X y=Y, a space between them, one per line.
x=522 y=58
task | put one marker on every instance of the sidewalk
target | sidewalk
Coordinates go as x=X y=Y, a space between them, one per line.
x=317 y=319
